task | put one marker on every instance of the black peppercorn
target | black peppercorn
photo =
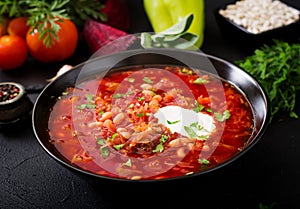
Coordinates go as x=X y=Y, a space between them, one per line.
x=15 y=106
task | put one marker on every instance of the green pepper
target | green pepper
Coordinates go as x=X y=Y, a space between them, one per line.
x=163 y=14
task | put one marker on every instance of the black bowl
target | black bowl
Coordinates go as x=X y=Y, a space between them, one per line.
x=142 y=57
x=241 y=37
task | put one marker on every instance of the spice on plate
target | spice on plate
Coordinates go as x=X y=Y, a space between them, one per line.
x=8 y=92
x=15 y=106
x=258 y=16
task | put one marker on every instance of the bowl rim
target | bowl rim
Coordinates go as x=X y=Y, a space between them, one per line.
x=163 y=51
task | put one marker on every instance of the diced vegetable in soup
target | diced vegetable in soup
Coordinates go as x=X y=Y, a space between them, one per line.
x=150 y=123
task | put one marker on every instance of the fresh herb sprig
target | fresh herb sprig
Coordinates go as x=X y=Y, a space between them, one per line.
x=79 y=11
x=277 y=68
x=44 y=16
x=174 y=37
x=12 y=8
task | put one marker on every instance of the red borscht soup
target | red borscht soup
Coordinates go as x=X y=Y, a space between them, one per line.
x=150 y=123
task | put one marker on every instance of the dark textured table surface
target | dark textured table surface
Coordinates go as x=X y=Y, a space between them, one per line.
x=268 y=174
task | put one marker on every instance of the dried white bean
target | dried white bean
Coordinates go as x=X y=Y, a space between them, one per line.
x=180 y=152
x=119 y=118
x=258 y=16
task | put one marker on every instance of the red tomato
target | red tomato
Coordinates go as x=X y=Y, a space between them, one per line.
x=62 y=48
x=18 y=26
x=13 y=52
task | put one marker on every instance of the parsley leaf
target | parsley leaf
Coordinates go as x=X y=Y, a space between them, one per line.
x=130 y=80
x=119 y=95
x=200 y=81
x=190 y=132
x=173 y=122
x=104 y=151
x=90 y=103
x=89 y=106
x=199 y=107
x=163 y=138
x=140 y=114
x=203 y=161
x=277 y=68
x=197 y=126
x=103 y=148
x=130 y=106
x=159 y=148
x=222 y=117
x=100 y=141
x=140 y=99
x=128 y=163
x=147 y=80
x=89 y=98
x=119 y=146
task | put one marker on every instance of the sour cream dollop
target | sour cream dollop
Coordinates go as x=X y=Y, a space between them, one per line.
x=186 y=122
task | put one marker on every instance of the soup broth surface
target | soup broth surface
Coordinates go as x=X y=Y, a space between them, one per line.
x=150 y=123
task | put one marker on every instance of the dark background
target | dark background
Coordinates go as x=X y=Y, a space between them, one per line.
x=266 y=175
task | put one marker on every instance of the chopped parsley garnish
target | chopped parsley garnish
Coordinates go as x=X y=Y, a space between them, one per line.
x=112 y=137
x=100 y=141
x=200 y=81
x=140 y=98
x=130 y=106
x=89 y=98
x=199 y=107
x=140 y=114
x=173 y=122
x=208 y=109
x=147 y=80
x=87 y=105
x=103 y=148
x=203 y=137
x=130 y=80
x=128 y=163
x=163 y=138
x=203 y=161
x=104 y=151
x=119 y=95
x=160 y=146
x=90 y=103
x=192 y=134
x=119 y=146
x=222 y=117
x=197 y=126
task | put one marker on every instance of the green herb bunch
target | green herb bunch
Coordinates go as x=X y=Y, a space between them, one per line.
x=44 y=15
x=277 y=68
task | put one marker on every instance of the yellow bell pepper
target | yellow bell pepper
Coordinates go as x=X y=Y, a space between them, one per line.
x=163 y=14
